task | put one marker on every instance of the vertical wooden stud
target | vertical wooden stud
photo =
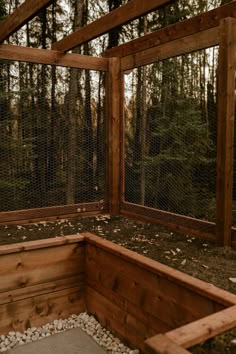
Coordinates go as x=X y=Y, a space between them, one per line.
x=114 y=89
x=225 y=130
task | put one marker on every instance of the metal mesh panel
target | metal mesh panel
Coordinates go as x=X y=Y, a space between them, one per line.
x=51 y=136
x=170 y=134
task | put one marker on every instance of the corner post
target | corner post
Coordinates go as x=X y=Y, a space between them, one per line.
x=114 y=90
x=225 y=130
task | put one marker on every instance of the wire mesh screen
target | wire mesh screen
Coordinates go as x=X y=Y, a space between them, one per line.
x=51 y=136
x=170 y=134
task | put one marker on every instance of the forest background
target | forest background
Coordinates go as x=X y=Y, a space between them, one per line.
x=52 y=119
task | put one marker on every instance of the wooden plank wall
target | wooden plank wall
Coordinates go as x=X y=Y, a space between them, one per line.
x=41 y=281
x=136 y=297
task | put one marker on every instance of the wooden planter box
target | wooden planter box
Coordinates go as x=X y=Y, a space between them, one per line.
x=147 y=304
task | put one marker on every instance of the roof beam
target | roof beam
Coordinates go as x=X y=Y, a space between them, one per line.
x=52 y=57
x=178 y=30
x=126 y=13
x=21 y=16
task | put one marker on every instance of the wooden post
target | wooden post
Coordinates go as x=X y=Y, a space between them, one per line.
x=114 y=89
x=225 y=131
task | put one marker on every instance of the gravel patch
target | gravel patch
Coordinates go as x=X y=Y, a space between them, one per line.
x=87 y=323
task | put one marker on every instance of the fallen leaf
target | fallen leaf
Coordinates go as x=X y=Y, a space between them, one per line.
x=233 y=280
x=204 y=266
x=184 y=262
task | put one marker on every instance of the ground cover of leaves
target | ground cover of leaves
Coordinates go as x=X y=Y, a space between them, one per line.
x=187 y=254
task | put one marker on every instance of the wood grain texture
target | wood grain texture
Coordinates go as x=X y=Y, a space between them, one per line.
x=208 y=327
x=41 y=289
x=161 y=344
x=175 y=31
x=20 y=16
x=27 y=268
x=187 y=44
x=52 y=57
x=39 y=310
x=196 y=285
x=225 y=130
x=157 y=296
x=115 y=84
x=128 y=12
x=55 y=211
x=128 y=328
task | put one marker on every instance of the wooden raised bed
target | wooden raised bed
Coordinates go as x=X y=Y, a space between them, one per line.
x=148 y=305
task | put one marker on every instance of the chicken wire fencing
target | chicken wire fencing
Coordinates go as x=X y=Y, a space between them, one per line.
x=51 y=136
x=170 y=135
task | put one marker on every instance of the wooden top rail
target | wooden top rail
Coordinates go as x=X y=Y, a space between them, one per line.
x=33 y=245
x=126 y=13
x=178 y=30
x=188 y=44
x=20 y=16
x=196 y=332
x=52 y=57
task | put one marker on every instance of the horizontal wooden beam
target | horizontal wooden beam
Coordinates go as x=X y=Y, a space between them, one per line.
x=205 y=328
x=178 y=30
x=128 y=12
x=20 y=16
x=179 y=223
x=188 y=44
x=52 y=57
x=54 y=211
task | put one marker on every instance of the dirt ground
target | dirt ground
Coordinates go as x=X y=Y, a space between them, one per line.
x=187 y=254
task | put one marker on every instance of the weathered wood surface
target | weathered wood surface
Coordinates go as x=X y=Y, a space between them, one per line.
x=157 y=296
x=20 y=16
x=205 y=328
x=203 y=229
x=127 y=327
x=40 y=289
x=177 y=47
x=160 y=270
x=114 y=89
x=55 y=211
x=120 y=16
x=38 y=244
x=161 y=344
x=41 y=281
x=225 y=131
x=52 y=57
x=39 y=310
x=27 y=268
x=175 y=31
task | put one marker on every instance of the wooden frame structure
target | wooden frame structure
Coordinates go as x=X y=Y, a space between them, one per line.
x=154 y=308
x=216 y=27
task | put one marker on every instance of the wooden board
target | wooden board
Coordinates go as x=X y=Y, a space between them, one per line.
x=225 y=131
x=196 y=285
x=161 y=344
x=20 y=16
x=179 y=223
x=130 y=330
x=52 y=57
x=40 y=289
x=114 y=130
x=199 y=331
x=39 y=244
x=39 y=310
x=175 y=31
x=27 y=268
x=155 y=295
x=29 y=215
x=128 y=12
x=187 y=44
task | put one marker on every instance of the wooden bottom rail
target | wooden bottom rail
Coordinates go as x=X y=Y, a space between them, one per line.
x=193 y=333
